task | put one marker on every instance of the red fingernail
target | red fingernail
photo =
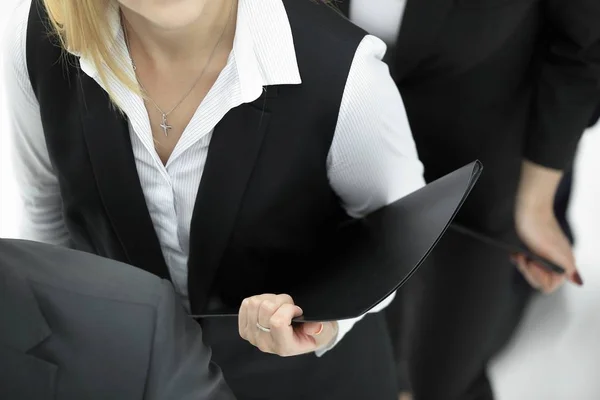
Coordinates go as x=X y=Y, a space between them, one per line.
x=577 y=279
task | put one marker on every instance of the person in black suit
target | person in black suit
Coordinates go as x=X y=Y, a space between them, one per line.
x=511 y=83
x=78 y=326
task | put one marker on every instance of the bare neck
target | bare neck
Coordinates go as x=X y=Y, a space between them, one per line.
x=182 y=45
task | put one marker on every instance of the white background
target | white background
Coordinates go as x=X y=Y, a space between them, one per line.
x=555 y=354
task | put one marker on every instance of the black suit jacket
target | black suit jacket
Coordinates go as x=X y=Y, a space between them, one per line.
x=77 y=326
x=497 y=80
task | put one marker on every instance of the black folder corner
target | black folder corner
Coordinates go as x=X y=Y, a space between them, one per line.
x=373 y=256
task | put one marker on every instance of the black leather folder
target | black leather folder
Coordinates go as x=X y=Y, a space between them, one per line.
x=509 y=247
x=373 y=256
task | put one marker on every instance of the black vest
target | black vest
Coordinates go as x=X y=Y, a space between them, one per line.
x=264 y=205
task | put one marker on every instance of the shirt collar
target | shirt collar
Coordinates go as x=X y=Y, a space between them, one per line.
x=273 y=43
x=263 y=46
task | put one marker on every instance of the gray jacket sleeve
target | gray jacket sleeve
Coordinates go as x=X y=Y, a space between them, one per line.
x=180 y=364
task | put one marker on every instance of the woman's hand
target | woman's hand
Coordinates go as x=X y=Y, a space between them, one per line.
x=542 y=234
x=540 y=231
x=266 y=322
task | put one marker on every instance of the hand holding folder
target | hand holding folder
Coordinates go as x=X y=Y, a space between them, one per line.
x=373 y=256
x=509 y=248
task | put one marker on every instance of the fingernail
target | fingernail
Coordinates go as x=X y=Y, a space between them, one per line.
x=300 y=310
x=577 y=279
x=320 y=329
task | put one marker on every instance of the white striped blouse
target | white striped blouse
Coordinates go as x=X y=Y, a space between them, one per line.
x=372 y=161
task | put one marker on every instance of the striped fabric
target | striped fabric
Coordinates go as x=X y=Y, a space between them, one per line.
x=372 y=161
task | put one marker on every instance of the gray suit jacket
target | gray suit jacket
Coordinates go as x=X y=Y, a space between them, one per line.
x=76 y=326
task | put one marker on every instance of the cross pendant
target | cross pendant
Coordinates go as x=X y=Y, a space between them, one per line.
x=165 y=125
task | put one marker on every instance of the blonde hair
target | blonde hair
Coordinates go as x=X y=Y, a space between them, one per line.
x=83 y=29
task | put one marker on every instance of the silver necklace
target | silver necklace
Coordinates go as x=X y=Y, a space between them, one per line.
x=164 y=125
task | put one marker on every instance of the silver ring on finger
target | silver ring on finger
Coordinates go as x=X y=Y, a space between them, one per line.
x=263 y=328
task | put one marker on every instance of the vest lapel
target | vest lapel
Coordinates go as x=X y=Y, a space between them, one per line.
x=109 y=145
x=420 y=25
x=234 y=148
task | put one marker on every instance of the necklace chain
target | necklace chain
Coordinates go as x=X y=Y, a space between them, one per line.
x=164 y=125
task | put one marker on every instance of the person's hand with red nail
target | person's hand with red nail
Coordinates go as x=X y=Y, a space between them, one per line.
x=266 y=322
x=540 y=231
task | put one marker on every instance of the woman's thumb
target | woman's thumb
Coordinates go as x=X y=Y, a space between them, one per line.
x=313 y=328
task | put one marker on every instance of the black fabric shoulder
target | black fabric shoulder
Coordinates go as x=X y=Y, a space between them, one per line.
x=325 y=42
x=43 y=49
x=319 y=28
x=325 y=20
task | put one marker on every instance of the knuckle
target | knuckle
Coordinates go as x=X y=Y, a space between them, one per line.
x=255 y=302
x=267 y=306
x=245 y=303
x=285 y=299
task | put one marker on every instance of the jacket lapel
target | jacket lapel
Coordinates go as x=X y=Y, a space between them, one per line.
x=23 y=328
x=234 y=148
x=25 y=376
x=109 y=145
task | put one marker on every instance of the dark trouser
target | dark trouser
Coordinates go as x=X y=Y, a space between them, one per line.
x=457 y=312
x=401 y=316
x=471 y=300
